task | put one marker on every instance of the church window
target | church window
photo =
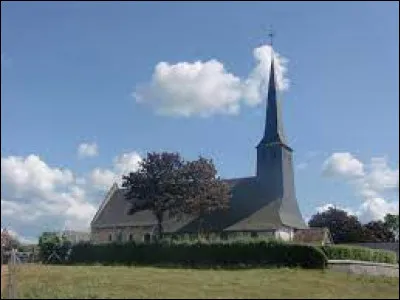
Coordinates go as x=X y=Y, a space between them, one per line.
x=110 y=237
x=254 y=234
x=146 y=238
x=119 y=237
x=130 y=237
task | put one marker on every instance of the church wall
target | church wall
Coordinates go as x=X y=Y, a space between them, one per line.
x=123 y=234
x=284 y=233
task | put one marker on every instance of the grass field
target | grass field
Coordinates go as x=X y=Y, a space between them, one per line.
x=36 y=281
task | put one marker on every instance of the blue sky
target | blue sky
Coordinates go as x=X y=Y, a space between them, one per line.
x=69 y=72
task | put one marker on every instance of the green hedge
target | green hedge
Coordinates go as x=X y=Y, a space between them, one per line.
x=359 y=253
x=200 y=253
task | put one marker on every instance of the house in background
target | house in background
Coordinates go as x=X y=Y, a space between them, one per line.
x=313 y=235
x=76 y=237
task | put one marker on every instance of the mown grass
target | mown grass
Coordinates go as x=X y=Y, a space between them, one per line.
x=90 y=282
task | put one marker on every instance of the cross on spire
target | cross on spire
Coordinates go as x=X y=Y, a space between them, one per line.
x=271 y=36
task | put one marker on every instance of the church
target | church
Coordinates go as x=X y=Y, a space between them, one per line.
x=261 y=205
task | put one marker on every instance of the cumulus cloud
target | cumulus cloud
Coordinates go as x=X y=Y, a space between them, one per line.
x=122 y=164
x=22 y=239
x=31 y=174
x=343 y=164
x=207 y=88
x=370 y=181
x=87 y=150
x=37 y=192
x=381 y=177
x=103 y=178
x=37 y=197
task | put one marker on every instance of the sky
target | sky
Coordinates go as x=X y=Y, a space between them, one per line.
x=88 y=88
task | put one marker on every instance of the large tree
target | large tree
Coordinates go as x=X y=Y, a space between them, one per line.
x=168 y=186
x=344 y=228
x=206 y=192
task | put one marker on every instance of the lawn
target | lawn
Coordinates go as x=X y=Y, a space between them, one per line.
x=37 y=281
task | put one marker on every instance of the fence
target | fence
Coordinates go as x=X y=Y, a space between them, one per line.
x=10 y=275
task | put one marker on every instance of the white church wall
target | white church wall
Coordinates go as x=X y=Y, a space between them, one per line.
x=125 y=234
x=284 y=233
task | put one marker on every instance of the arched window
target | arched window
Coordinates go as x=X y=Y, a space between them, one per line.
x=110 y=237
x=130 y=237
x=146 y=238
x=119 y=237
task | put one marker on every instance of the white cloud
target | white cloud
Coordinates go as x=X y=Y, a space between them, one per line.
x=87 y=150
x=207 y=88
x=31 y=174
x=37 y=192
x=36 y=197
x=20 y=238
x=127 y=162
x=381 y=177
x=103 y=178
x=122 y=165
x=16 y=209
x=376 y=209
x=343 y=164
x=370 y=181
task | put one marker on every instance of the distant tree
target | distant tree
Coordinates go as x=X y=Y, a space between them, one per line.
x=344 y=228
x=169 y=186
x=207 y=193
x=392 y=222
x=53 y=247
x=8 y=241
x=377 y=232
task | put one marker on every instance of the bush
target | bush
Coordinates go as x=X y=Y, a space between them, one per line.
x=359 y=253
x=52 y=248
x=201 y=253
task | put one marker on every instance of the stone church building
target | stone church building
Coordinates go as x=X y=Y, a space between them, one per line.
x=264 y=204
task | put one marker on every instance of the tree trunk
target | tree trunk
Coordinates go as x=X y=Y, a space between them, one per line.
x=200 y=227
x=160 y=229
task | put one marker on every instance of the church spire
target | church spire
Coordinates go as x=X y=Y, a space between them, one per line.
x=273 y=125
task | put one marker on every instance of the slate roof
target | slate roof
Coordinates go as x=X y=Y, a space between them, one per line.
x=274 y=132
x=248 y=211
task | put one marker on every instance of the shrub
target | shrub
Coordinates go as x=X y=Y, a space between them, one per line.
x=52 y=248
x=359 y=253
x=201 y=253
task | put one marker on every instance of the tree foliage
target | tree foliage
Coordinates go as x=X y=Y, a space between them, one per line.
x=377 y=232
x=53 y=248
x=206 y=193
x=347 y=228
x=169 y=186
x=392 y=223
x=343 y=227
x=8 y=241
